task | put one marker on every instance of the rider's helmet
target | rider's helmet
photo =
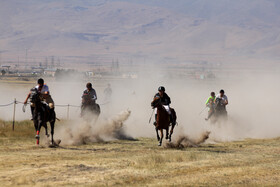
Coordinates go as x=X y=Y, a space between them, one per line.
x=161 y=88
x=89 y=85
x=222 y=91
x=40 y=81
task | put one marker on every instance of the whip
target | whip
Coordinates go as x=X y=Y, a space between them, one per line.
x=202 y=110
x=151 y=116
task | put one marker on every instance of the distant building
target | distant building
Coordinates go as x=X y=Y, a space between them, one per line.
x=89 y=74
x=50 y=72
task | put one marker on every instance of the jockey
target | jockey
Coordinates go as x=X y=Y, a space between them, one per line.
x=165 y=101
x=210 y=104
x=89 y=95
x=222 y=101
x=43 y=89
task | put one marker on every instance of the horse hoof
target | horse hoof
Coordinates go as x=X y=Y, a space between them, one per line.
x=159 y=144
x=57 y=142
x=169 y=139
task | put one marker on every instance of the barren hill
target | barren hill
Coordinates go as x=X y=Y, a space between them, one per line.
x=102 y=30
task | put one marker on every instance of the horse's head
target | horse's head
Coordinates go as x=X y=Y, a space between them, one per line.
x=87 y=99
x=219 y=104
x=156 y=102
x=34 y=96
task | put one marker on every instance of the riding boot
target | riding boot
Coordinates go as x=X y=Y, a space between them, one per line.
x=155 y=123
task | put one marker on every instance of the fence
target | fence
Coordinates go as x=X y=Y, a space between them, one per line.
x=15 y=102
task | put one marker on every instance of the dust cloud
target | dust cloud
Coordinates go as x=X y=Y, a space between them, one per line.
x=252 y=110
x=183 y=141
x=83 y=131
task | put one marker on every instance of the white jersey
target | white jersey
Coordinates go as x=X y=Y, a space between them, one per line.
x=44 y=89
x=224 y=98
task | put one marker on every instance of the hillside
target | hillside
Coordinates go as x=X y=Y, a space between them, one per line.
x=101 y=30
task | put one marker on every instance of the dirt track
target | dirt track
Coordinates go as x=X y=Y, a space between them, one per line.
x=142 y=162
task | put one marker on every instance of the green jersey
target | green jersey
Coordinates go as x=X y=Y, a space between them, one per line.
x=210 y=100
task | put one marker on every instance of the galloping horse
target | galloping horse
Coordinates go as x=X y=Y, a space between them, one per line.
x=163 y=120
x=41 y=115
x=219 y=113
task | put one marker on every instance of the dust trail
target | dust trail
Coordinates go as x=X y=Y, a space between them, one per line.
x=183 y=141
x=82 y=132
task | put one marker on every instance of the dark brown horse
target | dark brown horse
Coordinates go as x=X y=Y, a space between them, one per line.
x=41 y=114
x=90 y=110
x=163 y=120
x=219 y=113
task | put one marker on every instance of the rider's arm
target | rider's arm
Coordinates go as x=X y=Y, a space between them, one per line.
x=226 y=102
x=167 y=99
x=94 y=96
x=207 y=102
x=25 y=102
x=45 y=90
x=215 y=101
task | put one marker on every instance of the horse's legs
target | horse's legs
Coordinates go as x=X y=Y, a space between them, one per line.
x=171 y=132
x=40 y=123
x=35 y=122
x=52 y=130
x=167 y=131
x=46 y=129
x=161 y=137
x=158 y=138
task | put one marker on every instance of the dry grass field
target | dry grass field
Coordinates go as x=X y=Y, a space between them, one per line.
x=135 y=163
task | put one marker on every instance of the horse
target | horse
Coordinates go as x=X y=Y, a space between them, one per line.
x=219 y=113
x=89 y=106
x=163 y=120
x=41 y=114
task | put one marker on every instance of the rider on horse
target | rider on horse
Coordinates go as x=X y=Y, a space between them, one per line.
x=43 y=89
x=220 y=102
x=89 y=95
x=211 y=105
x=165 y=101
x=89 y=98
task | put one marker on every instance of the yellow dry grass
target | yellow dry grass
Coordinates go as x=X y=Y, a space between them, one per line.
x=135 y=163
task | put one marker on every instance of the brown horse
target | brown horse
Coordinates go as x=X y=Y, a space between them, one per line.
x=163 y=120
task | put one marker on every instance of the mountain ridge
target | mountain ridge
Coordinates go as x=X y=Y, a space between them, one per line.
x=102 y=30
